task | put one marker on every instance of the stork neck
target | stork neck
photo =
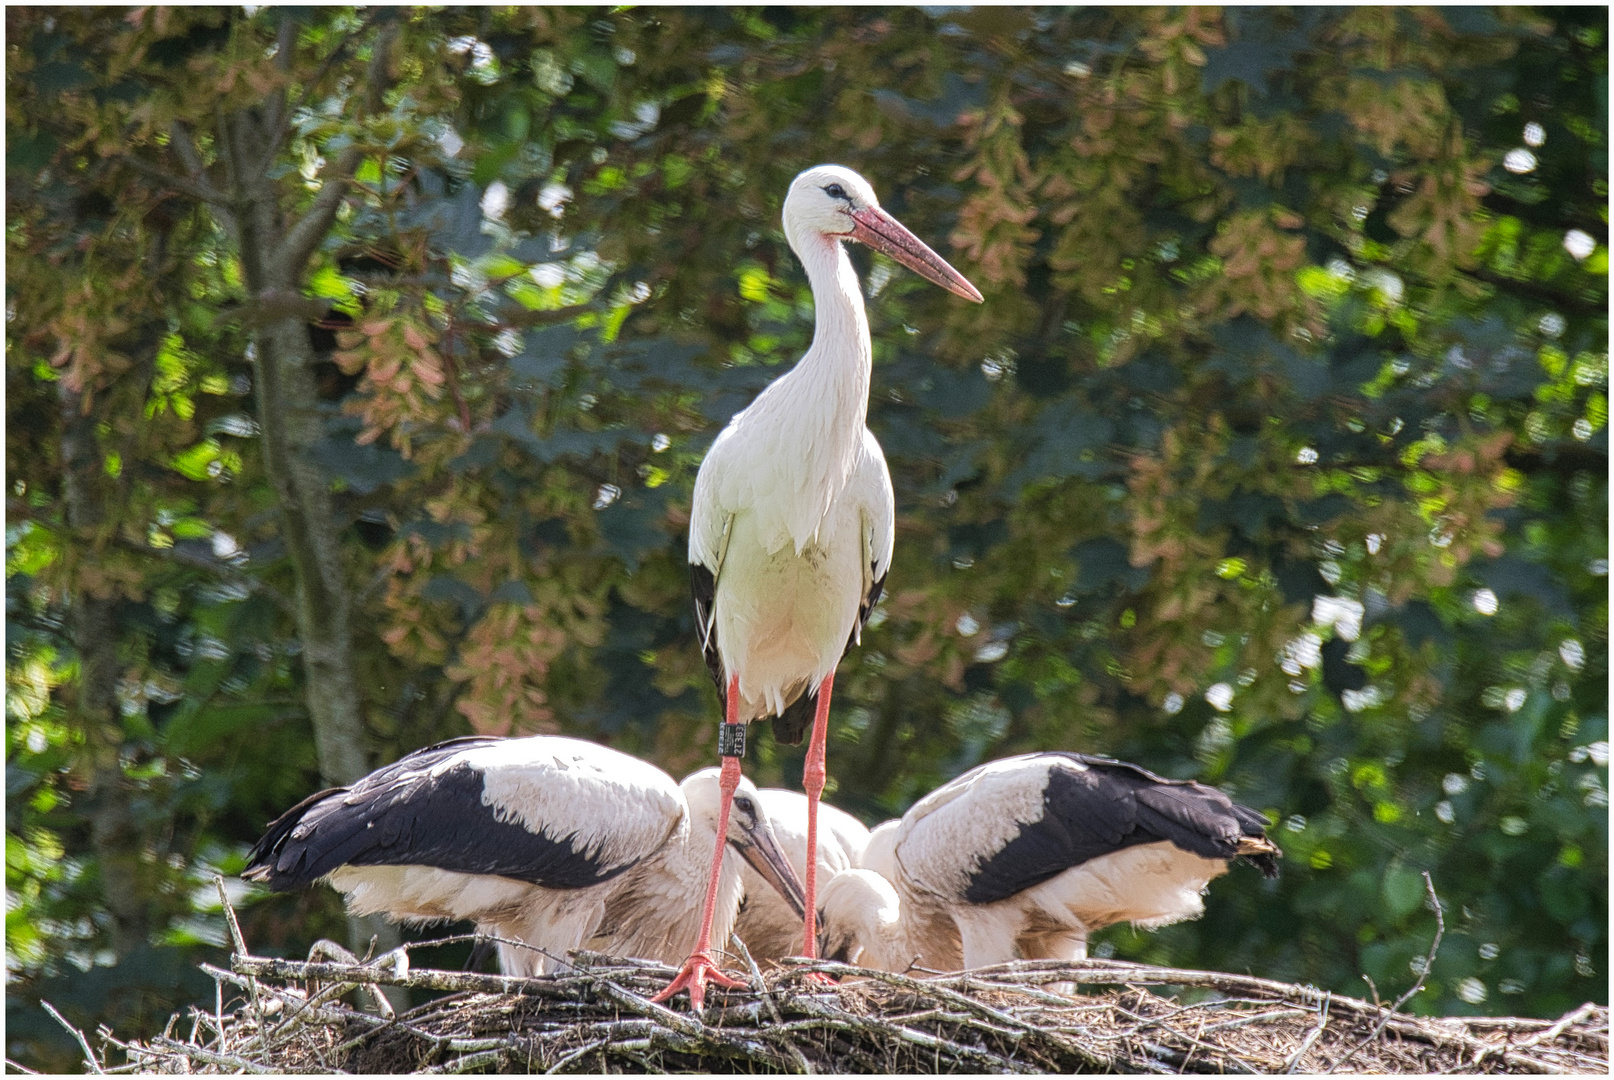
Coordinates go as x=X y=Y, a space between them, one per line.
x=891 y=944
x=840 y=356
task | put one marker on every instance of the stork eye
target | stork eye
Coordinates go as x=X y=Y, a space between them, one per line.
x=744 y=806
x=835 y=191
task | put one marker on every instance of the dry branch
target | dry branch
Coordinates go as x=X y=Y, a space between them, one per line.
x=1412 y=991
x=90 y=1062
x=596 y=1017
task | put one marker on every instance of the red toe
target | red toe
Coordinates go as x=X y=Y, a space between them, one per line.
x=697 y=971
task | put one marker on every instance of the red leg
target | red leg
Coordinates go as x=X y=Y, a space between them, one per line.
x=700 y=967
x=813 y=775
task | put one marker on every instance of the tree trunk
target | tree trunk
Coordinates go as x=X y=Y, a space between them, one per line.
x=289 y=424
x=114 y=835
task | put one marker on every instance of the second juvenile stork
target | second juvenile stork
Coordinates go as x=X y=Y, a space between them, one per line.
x=768 y=922
x=792 y=524
x=1024 y=857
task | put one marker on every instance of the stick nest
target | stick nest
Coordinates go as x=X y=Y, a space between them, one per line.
x=288 y=1016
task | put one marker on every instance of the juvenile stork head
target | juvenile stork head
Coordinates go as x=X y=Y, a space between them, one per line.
x=860 y=922
x=749 y=831
x=833 y=201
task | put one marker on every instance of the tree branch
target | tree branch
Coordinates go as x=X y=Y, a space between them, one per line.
x=1540 y=294
x=276 y=115
x=201 y=190
x=285 y=44
x=180 y=139
x=378 y=581
x=303 y=237
x=376 y=71
x=1423 y=973
x=223 y=571
x=226 y=145
x=84 y=1044
x=519 y=318
x=272 y=304
x=283 y=128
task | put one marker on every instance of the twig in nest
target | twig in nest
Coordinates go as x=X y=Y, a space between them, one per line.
x=469 y=1063
x=643 y=1006
x=581 y=1052
x=240 y=944
x=196 y=1053
x=326 y=949
x=1429 y=962
x=874 y=1024
x=756 y=974
x=1228 y=1063
x=438 y=1042
x=89 y=1055
x=963 y=1001
x=1312 y=1036
x=1557 y=1029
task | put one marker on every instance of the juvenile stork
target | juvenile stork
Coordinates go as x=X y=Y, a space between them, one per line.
x=791 y=528
x=768 y=924
x=544 y=842
x=1022 y=858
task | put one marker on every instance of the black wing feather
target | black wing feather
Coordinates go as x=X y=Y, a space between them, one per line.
x=403 y=815
x=1110 y=806
x=791 y=725
x=865 y=608
x=703 y=583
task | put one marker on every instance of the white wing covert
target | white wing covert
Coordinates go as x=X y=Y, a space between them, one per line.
x=709 y=524
x=945 y=836
x=555 y=812
x=1011 y=824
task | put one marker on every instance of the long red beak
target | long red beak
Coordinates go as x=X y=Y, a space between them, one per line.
x=887 y=235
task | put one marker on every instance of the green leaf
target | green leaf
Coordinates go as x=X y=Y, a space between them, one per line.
x=1402 y=891
x=327 y=282
x=199 y=730
x=194 y=463
x=502 y=266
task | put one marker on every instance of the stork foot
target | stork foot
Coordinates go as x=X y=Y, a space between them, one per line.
x=820 y=978
x=693 y=976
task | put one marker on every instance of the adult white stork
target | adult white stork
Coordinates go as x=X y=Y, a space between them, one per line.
x=768 y=923
x=1022 y=858
x=543 y=841
x=791 y=528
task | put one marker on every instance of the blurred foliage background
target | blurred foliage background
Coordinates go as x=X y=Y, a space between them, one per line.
x=360 y=360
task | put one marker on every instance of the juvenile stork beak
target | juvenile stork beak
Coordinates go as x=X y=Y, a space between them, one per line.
x=757 y=846
x=887 y=235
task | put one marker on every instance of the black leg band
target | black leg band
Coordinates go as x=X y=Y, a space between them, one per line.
x=731 y=740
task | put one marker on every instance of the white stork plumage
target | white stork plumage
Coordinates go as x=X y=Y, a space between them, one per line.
x=792 y=523
x=546 y=841
x=1022 y=858
x=768 y=923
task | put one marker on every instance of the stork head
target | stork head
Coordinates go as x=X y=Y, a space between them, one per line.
x=859 y=921
x=834 y=201
x=749 y=832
